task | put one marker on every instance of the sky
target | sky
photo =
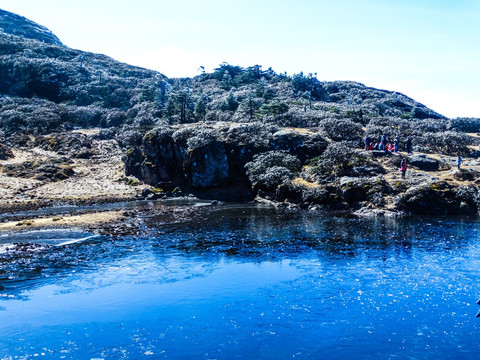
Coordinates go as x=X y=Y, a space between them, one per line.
x=426 y=49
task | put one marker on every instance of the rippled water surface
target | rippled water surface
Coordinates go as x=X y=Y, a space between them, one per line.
x=245 y=282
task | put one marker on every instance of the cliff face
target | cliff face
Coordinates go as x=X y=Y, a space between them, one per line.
x=13 y=24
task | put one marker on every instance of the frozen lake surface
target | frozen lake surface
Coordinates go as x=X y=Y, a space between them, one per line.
x=246 y=282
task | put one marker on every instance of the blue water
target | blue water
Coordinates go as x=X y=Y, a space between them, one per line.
x=246 y=282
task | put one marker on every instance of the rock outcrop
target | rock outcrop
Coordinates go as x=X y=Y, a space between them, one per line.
x=203 y=157
x=423 y=162
x=438 y=198
x=5 y=152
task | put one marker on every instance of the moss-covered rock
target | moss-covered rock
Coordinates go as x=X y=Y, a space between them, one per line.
x=437 y=198
x=50 y=171
x=5 y=152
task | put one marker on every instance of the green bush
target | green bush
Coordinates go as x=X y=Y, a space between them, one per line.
x=342 y=129
x=470 y=125
x=268 y=170
x=447 y=142
x=340 y=159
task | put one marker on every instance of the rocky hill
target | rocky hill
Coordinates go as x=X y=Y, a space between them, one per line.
x=231 y=134
x=13 y=24
x=38 y=72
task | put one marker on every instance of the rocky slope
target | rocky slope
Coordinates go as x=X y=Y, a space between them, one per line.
x=13 y=24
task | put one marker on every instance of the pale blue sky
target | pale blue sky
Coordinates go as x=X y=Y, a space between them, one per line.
x=426 y=49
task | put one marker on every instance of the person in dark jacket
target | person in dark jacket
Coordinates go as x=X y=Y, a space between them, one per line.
x=396 y=144
x=384 y=139
x=409 y=145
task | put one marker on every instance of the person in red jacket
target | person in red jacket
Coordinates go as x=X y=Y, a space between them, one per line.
x=403 y=167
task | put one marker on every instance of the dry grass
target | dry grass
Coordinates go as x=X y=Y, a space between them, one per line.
x=303 y=182
x=63 y=221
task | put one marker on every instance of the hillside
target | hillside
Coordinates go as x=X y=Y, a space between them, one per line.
x=232 y=134
x=38 y=72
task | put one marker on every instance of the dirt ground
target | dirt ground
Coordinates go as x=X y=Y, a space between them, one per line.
x=100 y=178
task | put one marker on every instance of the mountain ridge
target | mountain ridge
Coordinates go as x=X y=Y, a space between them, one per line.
x=72 y=75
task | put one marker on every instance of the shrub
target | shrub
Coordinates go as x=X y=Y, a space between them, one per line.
x=182 y=135
x=114 y=118
x=202 y=138
x=276 y=108
x=298 y=117
x=447 y=142
x=157 y=139
x=310 y=83
x=464 y=124
x=250 y=133
x=390 y=126
x=272 y=168
x=429 y=125
x=272 y=177
x=230 y=103
x=340 y=159
x=129 y=136
x=342 y=129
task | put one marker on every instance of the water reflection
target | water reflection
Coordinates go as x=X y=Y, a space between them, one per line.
x=248 y=281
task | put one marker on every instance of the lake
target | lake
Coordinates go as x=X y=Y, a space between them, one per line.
x=245 y=281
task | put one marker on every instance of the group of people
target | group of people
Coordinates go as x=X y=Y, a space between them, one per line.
x=387 y=146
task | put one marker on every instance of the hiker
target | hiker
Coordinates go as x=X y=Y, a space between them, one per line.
x=384 y=139
x=403 y=167
x=459 y=161
x=368 y=141
x=396 y=143
x=389 y=147
x=409 y=145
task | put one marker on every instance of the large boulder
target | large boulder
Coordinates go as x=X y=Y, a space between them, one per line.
x=73 y=144
x=133 y=163
x=437 y=198
x=303 y=145
x=51 y=170
x=353 y=189
x=465 y=174
x=191 y=155
x=160 y=163
x=424 y=162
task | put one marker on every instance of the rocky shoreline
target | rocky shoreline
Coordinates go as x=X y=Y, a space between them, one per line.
x=221 y=167
x=80 y=129
x=302 y=168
